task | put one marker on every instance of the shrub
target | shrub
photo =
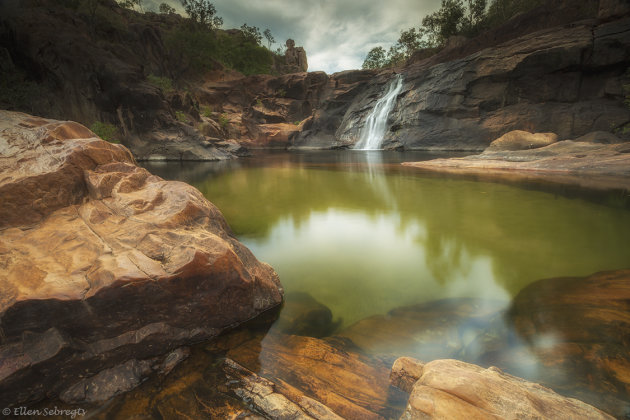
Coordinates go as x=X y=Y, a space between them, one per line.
x=164 y=83
x=181 y=117
x=166 y=9
x=106 y=131
x=223 y=120
x=206 y=111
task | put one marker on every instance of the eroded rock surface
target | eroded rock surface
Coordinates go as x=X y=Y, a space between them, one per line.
x=457 y=390
x=588 y=164
x=102 y=262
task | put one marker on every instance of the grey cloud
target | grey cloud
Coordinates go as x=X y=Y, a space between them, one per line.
x=336 y=34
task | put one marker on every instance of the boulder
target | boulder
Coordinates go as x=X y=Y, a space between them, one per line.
x=522 y=140
x=104 y=263
x=457 y=390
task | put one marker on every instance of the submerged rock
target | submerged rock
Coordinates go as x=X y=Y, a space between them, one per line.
x=432 y=330
x=330 y=371
x=301 y=314
x=104 y=263
x=450 y=389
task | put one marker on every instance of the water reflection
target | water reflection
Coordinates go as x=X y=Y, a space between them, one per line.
x=405 y=264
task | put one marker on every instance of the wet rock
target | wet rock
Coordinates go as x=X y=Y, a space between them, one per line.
x=592 y=165
x=349 y=383
x=275 y=401
x=117 y=265
x=301 y=314
x=428 y=331
x=108 y=383
x=522 y=140
x=579 y=326
x=406 y=371
x=454 y=389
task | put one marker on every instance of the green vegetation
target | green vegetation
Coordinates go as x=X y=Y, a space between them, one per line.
x=201 y=45
x=206 y=111
x=166 y=9
x=106 y=131
x=16 y=90
x=455 y=18
x=181 y=117
x=223 y=120
x=164 y=83
x=270 y=38
x=202 y=14
x=132 y=4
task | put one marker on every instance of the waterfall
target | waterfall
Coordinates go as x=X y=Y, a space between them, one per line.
x=376 y=122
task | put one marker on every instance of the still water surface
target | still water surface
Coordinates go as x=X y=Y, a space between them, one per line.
x=363 y=235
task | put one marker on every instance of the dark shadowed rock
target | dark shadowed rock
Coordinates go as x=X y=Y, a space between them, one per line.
x=566 y=80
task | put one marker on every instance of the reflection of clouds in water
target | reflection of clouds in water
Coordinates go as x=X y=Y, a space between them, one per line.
x=360 y=265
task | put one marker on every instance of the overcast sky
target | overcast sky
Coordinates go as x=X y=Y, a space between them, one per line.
x=336 y=34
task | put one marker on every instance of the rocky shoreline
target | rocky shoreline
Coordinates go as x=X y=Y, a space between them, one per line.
x=586 y=162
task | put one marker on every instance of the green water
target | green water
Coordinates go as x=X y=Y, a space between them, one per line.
x=363 y=235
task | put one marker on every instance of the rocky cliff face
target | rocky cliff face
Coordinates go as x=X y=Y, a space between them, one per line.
x=567 y=80
x=104 y=267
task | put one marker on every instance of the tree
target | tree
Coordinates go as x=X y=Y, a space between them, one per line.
x=166 y=9
x=131 y=4
x=203 y=13
x=444 y=23
x=476 y=17
x=270 y=38
x=251 y=33
x=375 y=59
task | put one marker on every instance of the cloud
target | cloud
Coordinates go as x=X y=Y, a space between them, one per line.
x=336 y=34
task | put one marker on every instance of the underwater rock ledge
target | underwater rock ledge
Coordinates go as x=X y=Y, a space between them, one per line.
x=104 y=266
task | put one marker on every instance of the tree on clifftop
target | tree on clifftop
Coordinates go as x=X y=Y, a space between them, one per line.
x=375 y=59
x=203 y=13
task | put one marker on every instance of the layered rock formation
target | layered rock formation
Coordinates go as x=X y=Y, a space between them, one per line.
x=588 y=162
x=105 y=266
x=567 y=80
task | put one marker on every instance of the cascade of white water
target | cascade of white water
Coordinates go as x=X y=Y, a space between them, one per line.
x=376 y=122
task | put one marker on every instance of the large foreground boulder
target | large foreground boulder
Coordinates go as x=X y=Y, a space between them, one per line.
x=450 y=389
x=103 y=265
